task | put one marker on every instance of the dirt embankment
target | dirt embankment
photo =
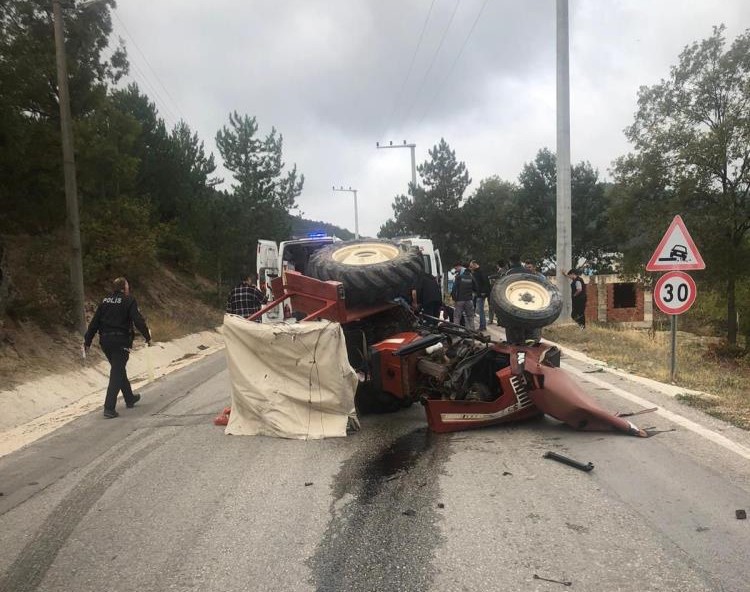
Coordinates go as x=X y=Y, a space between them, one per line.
x=36 y=335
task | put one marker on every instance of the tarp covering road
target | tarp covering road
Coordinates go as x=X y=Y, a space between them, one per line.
x=288 y=380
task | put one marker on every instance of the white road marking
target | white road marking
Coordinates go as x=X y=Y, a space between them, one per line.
x=673 y=417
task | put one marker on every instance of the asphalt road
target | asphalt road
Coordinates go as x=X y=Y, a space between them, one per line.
x=160 y=499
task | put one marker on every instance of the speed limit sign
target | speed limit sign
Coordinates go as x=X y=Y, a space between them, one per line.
x=674 y=293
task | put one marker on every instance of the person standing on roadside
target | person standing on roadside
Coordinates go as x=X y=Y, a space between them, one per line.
x=114 y=320
x=464 y=288
x=483 y=291
x=492 y=279
x=578 y=297
x=531 y=268
x=428 y=298
x=245 y=299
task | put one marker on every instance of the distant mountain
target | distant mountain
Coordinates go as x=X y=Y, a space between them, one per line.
x=302 y=227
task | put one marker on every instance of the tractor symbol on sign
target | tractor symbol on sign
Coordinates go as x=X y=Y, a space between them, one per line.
x=678 y=253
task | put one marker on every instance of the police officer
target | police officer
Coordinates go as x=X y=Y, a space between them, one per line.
x=114 y=320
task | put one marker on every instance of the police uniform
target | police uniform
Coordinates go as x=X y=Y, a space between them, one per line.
x=114 y=320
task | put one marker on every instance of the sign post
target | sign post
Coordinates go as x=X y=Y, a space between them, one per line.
x=675 y=291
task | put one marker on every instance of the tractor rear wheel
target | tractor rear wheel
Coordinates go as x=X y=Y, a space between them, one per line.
x=371 y=270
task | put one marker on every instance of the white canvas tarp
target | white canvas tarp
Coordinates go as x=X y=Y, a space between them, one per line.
x=288 y=380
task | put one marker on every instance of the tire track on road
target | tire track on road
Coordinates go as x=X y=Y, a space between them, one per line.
x=28 y=570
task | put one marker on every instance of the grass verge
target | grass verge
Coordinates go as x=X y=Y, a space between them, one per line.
x=702 y=363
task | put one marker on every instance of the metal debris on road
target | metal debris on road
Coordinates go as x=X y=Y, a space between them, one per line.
x=569 y=461
x=308 y=483
x=409 y=512
x=536 y=577
x=641 y=412
x=741 y=514
x=441 y=505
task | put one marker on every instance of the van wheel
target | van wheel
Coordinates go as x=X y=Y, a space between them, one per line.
x=370 y=270
x=525 y=300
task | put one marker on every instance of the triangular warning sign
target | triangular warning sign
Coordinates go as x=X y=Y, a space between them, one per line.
x=676 y=251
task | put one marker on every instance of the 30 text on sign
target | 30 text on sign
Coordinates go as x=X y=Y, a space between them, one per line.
x=675 y=292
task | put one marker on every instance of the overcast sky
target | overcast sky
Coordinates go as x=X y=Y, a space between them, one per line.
x=337 y=76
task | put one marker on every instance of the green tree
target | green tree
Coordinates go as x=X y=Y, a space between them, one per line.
x=435 y=208
x=489 y=210
x=532 y=221
x=30 y=155
x=264 y=194
x=691 y=139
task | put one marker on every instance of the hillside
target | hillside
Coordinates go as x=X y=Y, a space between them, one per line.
x=36 y=337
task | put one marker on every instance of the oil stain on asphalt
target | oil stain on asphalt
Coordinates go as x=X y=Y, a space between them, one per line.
x=384 y=527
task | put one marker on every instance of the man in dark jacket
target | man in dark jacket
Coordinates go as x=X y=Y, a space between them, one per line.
x=483 y=292
x=464 y=288
x=499 y=271
x=428 y=297
x=245 y=299
x=114 y=320
x=578 y=296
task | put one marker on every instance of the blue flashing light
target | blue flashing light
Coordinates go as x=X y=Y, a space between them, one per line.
x=316 y=234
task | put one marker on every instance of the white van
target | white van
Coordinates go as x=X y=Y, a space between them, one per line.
x=431 y=258
x=274 y=259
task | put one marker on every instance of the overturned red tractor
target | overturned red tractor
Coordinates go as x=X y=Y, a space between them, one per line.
x=462 y=377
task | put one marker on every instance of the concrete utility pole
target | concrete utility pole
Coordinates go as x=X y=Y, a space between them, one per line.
x=356 y=215
x=564 y=248
x=413 y=158
x=69 y=171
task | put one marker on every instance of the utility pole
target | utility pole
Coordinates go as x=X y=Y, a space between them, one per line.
x=413 y=158
x=356 y=215
x=564 y=232
x=69 y=171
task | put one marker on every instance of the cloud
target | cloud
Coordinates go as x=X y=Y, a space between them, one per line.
x=331 y=77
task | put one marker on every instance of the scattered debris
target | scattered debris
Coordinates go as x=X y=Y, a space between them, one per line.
x=202 y=347
x=409 y=512
x=569 y=461
x=593 y=371
x=223 y=418
x=741 y=514
x=441 y=505
x=506 y=473
x=702 y=529
x=536 y=577
x=308 y=483
x=1 y=494
x=392 y=477
x=653 y=431
x=641 y=412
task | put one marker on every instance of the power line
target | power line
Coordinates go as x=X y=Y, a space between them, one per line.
x=400 y=93
x=453 y=65
x=148 y=64
x=432 y=63
x=165 y=110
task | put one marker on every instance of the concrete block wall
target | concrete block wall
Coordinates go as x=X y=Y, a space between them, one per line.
x=600 y=303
